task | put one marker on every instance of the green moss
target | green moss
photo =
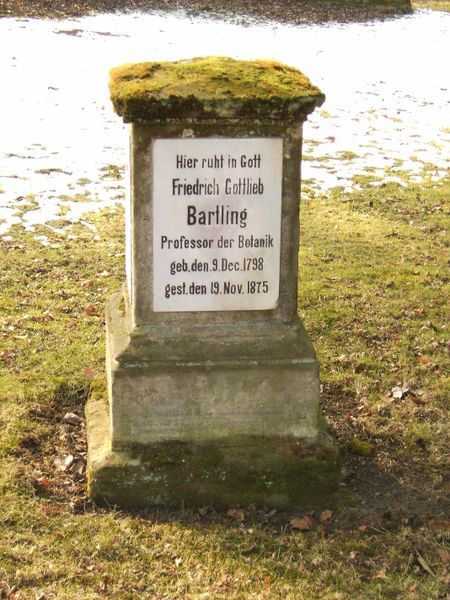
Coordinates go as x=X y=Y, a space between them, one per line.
x=112 y=172
x=360 y=447
x=347 y=155
x=83 y=181
x=211 y=87
x=271 y=471
x=97 y=388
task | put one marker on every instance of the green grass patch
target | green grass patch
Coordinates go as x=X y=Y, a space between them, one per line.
x=373 y=284
x=432 y=4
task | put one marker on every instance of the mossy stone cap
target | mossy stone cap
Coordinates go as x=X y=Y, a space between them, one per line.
x=211 y=88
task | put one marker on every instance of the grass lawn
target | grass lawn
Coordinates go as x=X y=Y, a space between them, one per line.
x=433 y=4
x=373 y=291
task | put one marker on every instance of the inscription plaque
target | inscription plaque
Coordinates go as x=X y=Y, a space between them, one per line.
x=216 y=224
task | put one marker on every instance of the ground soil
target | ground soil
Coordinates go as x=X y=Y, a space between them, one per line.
x=292 y=11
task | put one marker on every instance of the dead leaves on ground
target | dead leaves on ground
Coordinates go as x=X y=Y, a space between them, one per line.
x=73 y=419
x=310 y=521
x=305 y=523
x=444 y=555
x=326 y=515
x=60 y=475
x=13 y=593
x=406 y=389
x=236 y=513
x=7 y=592
x=250 y=514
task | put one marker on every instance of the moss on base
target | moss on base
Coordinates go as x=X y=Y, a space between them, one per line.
x=211 y=87
x=279 y=472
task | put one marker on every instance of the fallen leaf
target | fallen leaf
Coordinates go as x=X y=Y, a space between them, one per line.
x=305 y=523
x=62 y=464
x=381 y=574
x=89 y=373
x=418 y=400
x=78 y=466
x=7 y=357
x=444 y=555
x=68 y=460
x=236 y=513
x=326 y=515
x=363 y=528
x=400 y=391
x=106 y=581
x=43 y=483
x=397 y=393
x=51 y=511
x=72 y=419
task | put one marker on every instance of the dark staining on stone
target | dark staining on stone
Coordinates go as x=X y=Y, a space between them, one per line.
x=211 y=88
x=274 y=471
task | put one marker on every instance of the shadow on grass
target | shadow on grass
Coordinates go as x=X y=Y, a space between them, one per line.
x=53 y=468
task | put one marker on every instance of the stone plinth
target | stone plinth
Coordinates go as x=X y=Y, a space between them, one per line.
x=212 y=383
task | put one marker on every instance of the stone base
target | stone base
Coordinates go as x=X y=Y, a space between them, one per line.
x=277 y=472
x=211 y=415
x=212 y=382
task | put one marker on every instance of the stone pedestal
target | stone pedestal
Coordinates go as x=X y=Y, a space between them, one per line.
x=212 y=392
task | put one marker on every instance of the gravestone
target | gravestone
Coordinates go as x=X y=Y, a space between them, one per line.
x=212 y=382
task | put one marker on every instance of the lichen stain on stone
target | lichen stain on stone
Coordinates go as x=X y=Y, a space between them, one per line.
x=122 y=307
x=214 y=87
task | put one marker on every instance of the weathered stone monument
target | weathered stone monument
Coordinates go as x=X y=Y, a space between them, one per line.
x=212 y=383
